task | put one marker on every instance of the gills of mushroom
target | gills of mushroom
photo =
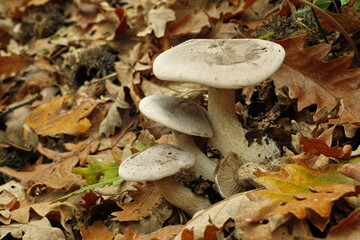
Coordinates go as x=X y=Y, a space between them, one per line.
x=224 y=65
x=159 y=164
x=185 y=119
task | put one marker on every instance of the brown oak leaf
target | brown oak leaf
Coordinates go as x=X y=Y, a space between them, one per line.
x=312 y=80
x=144 y=199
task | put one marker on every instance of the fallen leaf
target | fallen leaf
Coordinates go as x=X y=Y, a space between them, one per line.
x=303 y=192
x=77 y=152
x=113 y=118
x=165 y=233
x=351 y=170
x=322 y=148
x=145 y=198
x=55 y=176
x=349 y=19
x=157 y=20
x=215 y=215
x=96 y=231
x=35 y=229
x=12 y=66
x=64 y=115
x=189 y=24
x=104 y=169
x=348 y=228
x=311 y=80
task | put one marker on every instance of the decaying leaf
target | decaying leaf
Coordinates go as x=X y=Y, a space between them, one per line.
x=145 y=199
x=12 y=66
x=157 y=20
x=77 y=151
x=47 y=178
x=311 y=80
x=35 y=229
x=349 y=19
x=303 y=192
x=114 y=118
x=97 y=230
x=320 y=146
x=215 y=215
x=64 y=115
x=351 y=170
x=165 y=233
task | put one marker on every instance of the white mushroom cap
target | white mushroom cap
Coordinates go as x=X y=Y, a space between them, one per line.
x=220 y=63
x=156 y=162
x=178 y=114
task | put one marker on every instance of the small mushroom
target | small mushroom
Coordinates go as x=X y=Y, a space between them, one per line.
x=185 y=119
x=160 y=163
x=224 y=65
x=232 y=176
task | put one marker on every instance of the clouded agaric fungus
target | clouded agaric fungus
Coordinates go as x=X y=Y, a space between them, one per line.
x=224 y=65
x=185 y=119
x=160 y=163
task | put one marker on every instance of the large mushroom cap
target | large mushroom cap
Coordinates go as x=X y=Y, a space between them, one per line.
x=156 y=162
x=220 y=63
x=178 y=114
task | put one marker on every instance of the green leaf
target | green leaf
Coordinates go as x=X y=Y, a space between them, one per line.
x=304 y=10
x=44 y=51
x=114 y=181
x=357 y=5
x=140 y=146
x=323 y=4
x=344 y=2
x=97 y=169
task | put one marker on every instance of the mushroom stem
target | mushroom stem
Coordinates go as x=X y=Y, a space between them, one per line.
x=229 y=135
x=203 y=166
x=181 y=197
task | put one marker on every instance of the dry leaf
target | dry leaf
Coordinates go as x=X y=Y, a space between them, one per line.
x=12 y=66
x=113 y=118
x=97 y=231
x=351 y=170
x=349 y=19
x=77 y=151
x=145 y=199
x=311 y=80
x=55 y=176
x=35 y=229
x=303 y=192
x=322 y=148
x=217 y=215
x=348 y=228
x=64 y=115
x=157 y=20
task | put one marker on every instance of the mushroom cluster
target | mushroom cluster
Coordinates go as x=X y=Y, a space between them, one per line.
x=223 y=65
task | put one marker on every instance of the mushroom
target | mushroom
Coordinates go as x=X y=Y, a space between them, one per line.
x=224 y=65
x=185 y=119
x=232 y=176
x=160 y=163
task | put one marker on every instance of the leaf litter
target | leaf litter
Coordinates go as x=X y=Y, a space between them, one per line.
x=72 y=74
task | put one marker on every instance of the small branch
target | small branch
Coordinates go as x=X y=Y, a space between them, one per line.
x=337 y=25
x=16 y=105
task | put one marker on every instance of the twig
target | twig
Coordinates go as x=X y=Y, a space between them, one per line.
x=16 y=105
x=337 y=25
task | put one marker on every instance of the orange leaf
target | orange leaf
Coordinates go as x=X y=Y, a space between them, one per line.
x=187 y=234
x=322 y=148
x=54 y=118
